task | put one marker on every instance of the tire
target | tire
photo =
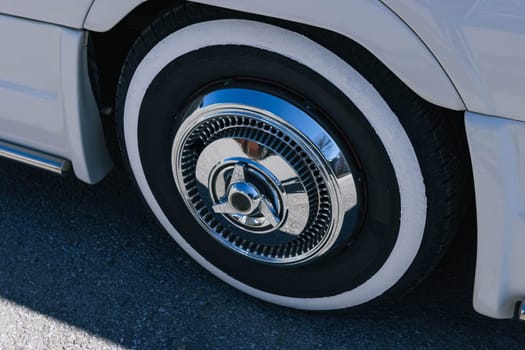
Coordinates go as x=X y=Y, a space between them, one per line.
x=213 y=112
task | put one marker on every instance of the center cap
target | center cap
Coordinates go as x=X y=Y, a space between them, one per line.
x=244 y=197
x=245 y=203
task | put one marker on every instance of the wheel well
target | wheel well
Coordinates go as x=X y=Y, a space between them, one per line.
x=108 y=50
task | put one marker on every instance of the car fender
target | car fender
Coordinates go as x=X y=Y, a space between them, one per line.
x=392 y=42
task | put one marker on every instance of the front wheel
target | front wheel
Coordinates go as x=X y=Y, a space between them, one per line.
x=279 y=168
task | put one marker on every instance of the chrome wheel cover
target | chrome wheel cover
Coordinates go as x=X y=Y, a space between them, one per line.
x=264 y=178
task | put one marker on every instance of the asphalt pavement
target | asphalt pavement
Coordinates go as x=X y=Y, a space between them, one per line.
x=87 y=267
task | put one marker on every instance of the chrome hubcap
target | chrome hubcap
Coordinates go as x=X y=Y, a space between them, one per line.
x=245 y=203
x=263 y=177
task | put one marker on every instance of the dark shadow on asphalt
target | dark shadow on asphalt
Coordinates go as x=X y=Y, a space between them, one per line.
x=91 y=256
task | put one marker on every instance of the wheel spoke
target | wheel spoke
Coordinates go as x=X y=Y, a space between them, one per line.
x=267 y=212
x=223 y=207
x=238 y=174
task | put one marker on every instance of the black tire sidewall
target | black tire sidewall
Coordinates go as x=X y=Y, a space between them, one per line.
x=161 y=108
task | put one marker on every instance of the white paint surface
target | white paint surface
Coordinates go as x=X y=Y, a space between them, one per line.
x=46 y=101
x=69 y=13
x=481 y=46
x=497 y=149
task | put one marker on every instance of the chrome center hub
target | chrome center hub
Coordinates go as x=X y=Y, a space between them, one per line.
x=242 y=202
x=244 y=198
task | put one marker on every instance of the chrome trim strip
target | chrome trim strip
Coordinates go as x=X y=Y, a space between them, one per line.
x=34 y=158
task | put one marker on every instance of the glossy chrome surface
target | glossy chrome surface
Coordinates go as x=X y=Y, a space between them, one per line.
x=263 y=177
x=34 y=158
x=244 y=202
x=521 y=311
x=279 y=192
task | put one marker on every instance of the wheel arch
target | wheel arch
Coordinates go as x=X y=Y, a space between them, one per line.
x=393 y=42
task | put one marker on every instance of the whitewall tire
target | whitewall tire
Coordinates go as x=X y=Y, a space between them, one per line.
x=157 y=123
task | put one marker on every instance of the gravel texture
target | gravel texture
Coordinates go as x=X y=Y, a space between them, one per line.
x=86 y=267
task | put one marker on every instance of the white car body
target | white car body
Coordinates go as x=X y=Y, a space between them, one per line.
x=462 y=55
